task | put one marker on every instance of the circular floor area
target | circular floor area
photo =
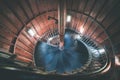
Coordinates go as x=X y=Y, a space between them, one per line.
x=73 y=56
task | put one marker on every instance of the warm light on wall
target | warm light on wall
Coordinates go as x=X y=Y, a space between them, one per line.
x=31 y=32
x=107 y=68
x=69 y=18
x=81 y=30
x=117 y=61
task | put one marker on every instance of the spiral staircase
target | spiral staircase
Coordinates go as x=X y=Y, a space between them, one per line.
x=38 y=42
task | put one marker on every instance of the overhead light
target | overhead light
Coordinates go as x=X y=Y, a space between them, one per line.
x=81 y=30
x=95 y=52
x=77 y=36
x=31 y=32
x=69 y=18
x=49 y=39
x=102 y=50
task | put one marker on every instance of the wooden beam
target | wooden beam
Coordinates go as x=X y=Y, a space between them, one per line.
x=61 y=21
